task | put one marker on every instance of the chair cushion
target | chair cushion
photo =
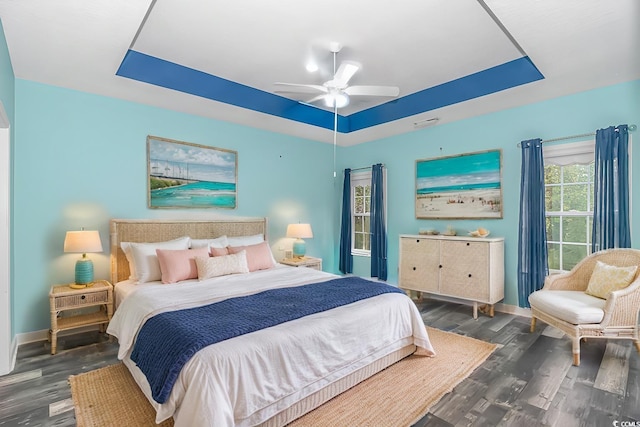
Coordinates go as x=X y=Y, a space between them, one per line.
x=608 y=278
x=575 y=307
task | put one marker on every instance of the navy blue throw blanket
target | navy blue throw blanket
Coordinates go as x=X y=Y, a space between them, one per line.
x=168 y=340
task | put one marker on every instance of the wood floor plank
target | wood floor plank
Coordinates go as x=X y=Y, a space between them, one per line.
x=19 y=377
x=631 y=405
x=466 y=396
x=547 y=378
x=505 y=389
x=523 y=415
x=498 y=322
x=61 y=406
x=552 y=332
x=485 y=413
x=614 y=368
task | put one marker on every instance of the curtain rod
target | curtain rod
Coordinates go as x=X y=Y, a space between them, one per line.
x=365 y=168
x=632 y=128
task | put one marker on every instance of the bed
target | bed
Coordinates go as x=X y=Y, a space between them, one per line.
x=265 y=377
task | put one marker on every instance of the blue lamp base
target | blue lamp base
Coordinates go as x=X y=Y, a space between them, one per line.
x=299 y=248
x=84 y=273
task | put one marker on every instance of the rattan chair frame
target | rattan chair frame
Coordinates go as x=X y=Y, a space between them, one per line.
x=621 y=308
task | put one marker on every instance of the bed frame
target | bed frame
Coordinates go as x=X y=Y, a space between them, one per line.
x=138 y=230
x=159 y=230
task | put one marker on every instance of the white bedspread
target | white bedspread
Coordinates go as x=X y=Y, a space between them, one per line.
x=246 y=380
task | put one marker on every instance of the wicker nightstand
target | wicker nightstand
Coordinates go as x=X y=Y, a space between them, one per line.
x=307 y=261
x=63 y=297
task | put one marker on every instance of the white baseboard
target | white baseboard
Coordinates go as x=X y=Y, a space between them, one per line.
x=43 y=335
x=513 y=309
x=501 y=307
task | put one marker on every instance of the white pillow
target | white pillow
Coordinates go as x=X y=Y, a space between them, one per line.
x=222 y=265
x=143 y=260
x=219 y=242
x=245 y=240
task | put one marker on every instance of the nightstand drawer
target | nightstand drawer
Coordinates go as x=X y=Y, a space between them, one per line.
x=81 y=300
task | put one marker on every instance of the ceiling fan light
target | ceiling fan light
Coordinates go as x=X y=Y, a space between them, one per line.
x=341 y=100
x=337 y=99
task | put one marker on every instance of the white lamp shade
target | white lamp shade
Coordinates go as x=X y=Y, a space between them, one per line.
x=299 y=231
x=82 y=241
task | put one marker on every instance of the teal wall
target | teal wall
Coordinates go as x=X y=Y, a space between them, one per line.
x=569 y=115
x=81 y=160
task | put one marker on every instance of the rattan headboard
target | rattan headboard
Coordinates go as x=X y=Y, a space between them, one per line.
x=159 y=230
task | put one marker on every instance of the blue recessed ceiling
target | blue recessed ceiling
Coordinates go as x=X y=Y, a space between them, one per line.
x=156 y=71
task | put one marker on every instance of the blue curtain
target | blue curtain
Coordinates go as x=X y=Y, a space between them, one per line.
x=611 y=190
x=533 y=264
x=346 y=259
x=378 y=229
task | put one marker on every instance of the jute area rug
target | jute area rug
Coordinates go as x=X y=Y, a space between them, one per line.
x=398 y=396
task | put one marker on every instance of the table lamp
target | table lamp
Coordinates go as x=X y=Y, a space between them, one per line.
x=299 y=232
x=83 y=241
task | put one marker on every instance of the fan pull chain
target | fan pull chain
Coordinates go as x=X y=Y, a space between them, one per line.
x=335 y=136
x=335 y=120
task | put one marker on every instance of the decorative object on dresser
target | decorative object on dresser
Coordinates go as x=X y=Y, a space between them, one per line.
x=66 y=298
x=305 y=261
x=460 y=186
x=299 y=232
x=83 y=241
x=462 y=267
x=185 y=175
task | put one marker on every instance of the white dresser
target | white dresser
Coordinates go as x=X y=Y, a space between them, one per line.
x=462 y=267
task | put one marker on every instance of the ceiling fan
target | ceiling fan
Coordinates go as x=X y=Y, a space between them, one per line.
x=336 y=92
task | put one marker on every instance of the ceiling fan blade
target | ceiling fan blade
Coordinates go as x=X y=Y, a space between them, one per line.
x=315 y=99
x=300 y=88
x=346 y=70
x=372 y=91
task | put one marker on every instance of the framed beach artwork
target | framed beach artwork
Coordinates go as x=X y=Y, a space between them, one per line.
x=459 y=187
x=185 y=175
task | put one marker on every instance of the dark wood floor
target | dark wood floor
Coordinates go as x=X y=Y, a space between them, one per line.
x=528 y=381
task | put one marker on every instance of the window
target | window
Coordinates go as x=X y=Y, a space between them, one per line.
x=568 y=176
x=361 y=202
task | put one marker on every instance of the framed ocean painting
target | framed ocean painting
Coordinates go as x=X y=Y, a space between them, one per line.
x=459 y=187
x=185 y=175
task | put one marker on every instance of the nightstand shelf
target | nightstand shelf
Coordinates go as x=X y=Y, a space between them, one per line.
x=72 y=322
x=307 y=261
x=64 y=298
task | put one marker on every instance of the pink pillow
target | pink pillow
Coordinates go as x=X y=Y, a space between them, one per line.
x=177 y=265
x=259 y=256
x=218 y=251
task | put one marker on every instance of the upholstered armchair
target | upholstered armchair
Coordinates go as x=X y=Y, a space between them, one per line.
x=567 y=300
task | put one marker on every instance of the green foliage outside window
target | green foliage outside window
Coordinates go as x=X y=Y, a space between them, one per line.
x=569 y=206
x=362 y=208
